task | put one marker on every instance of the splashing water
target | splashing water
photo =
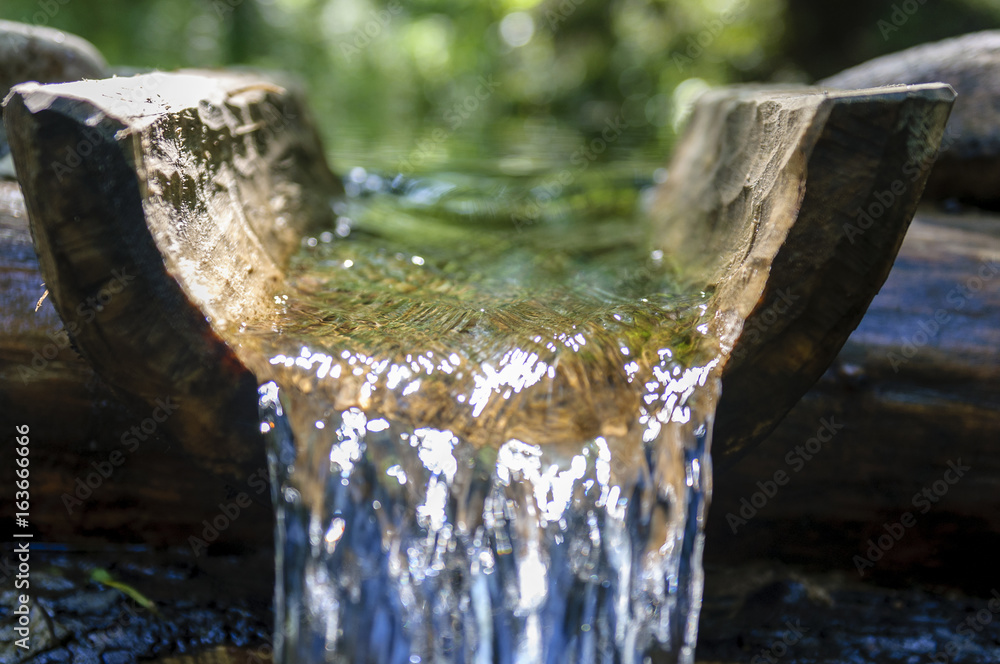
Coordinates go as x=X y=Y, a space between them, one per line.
x=486 y=445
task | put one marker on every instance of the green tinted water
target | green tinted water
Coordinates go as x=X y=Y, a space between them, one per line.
x=488 y=413
x=445 y=272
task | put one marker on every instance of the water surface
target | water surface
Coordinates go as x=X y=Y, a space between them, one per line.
x=487 y=417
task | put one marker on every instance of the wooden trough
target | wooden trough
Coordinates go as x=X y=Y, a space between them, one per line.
x=200 y=185
x=167 y=506
x=195 y=188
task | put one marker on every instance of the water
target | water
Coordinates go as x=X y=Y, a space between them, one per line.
x=487 y=413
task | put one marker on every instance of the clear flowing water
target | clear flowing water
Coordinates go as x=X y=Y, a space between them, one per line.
x=488 y=418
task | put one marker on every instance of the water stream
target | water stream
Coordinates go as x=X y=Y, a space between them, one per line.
x=488 y=420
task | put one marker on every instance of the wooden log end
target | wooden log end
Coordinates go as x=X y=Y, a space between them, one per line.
x=969 y=163
x=796 y=234
x=229 y=164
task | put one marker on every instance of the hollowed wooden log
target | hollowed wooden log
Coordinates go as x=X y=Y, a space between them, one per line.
x=202 y=185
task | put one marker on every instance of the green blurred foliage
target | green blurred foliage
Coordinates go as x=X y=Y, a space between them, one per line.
x=407 y=84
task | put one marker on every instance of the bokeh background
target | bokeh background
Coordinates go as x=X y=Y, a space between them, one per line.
x=399 y=83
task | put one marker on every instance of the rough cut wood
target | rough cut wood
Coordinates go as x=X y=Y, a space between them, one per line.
x=793 y=204
x=241 y=167
x=969 y=164
x=32 y=53
x=171 y=187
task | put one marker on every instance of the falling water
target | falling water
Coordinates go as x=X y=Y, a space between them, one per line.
x=488 y=436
